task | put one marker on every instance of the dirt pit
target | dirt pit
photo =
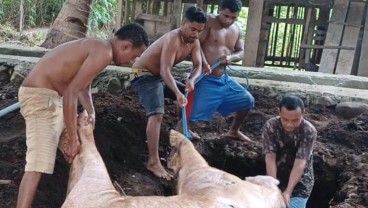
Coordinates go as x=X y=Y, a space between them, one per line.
x=340 y=156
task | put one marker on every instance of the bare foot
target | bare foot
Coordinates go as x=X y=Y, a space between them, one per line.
x=159 y=171
x=236 y=136
x=194 y=134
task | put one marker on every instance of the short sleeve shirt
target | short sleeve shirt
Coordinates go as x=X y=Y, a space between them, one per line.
x=289 y=146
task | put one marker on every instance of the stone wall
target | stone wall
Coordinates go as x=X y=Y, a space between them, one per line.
x=313 y=87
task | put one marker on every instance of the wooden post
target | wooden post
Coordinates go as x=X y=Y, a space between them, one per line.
x=21 y=18
x=177 y=13
x=252 y=36
x=200 y=3
x=1 y=9
x=363 y=63
x=134 y=7
x=265 y=30
x=118 y=15
x=126 y=12
x=138 y=9
x=304 y=52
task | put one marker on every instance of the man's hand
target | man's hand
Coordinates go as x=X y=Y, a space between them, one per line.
x=181 y=99
x=71 y=148
x=226 y=60
x=189 y=86
x=206 y=68
x=286 y=196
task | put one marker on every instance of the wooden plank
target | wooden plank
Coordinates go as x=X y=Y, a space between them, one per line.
x=326 y=47
x=333 y=37
x=347 y=24
x=252 y=36
x=270 y=19
x=350 y=39
x=154 y=17
x=363 y=63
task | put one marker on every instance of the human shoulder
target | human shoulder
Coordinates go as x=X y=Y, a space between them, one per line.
x=211 y=18
x=99 y=49
x=274 y=121
x=309 y=128
x=272 y=125
x=170 y=39
x=96 y=44
x=235 y=27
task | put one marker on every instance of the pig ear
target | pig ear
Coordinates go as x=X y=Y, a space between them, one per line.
x=174 y=138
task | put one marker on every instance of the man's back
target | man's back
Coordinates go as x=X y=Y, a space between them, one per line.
x=58 y=67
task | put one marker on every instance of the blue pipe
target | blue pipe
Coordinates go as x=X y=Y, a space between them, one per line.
x=9 y=109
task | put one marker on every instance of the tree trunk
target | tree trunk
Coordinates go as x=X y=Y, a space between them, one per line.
x=21 y=19
x=1 y=9
x=70 y=24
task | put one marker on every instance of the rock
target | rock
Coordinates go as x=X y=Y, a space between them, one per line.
x=4 y=75
x=349 y=110
x=114 y=86
x=20 y=72
x=272 y=95
x=327 y=101
x=126 y=85
x=94 y=90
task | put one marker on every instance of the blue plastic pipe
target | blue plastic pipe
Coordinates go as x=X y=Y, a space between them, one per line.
x=9 y=109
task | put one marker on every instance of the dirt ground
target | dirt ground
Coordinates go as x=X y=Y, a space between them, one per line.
x=341 y=158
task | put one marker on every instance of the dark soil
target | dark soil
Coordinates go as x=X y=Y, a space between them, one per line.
x=341 y=159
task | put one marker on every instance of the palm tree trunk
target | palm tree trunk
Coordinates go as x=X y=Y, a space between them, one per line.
x=1 y=9
x=70 y=24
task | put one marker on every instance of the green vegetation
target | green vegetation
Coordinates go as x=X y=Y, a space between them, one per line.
x=42 y=13
x=102 y=19
x=37 y=13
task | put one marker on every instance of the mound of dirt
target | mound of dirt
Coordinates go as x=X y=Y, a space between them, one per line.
x=340 y=156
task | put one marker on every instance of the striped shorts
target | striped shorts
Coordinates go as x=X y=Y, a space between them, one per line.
x=42 y=110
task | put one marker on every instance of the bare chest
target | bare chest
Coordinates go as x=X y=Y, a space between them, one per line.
x=223 y=37
x=183 y=52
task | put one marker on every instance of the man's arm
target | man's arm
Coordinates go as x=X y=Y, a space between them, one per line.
x=238 y=49
x=295 y=175
x=168 y=53
x=85 y=98
x=271 y=168
x=94 y=63
x=202 y=39
x=269 y=148
x=197 y=60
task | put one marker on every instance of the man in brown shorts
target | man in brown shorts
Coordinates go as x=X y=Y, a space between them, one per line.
x=49 y=97
x=288 y=142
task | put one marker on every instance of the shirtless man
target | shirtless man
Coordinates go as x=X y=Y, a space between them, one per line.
x=221 y=40
x=49 y=97
x=154 y=67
